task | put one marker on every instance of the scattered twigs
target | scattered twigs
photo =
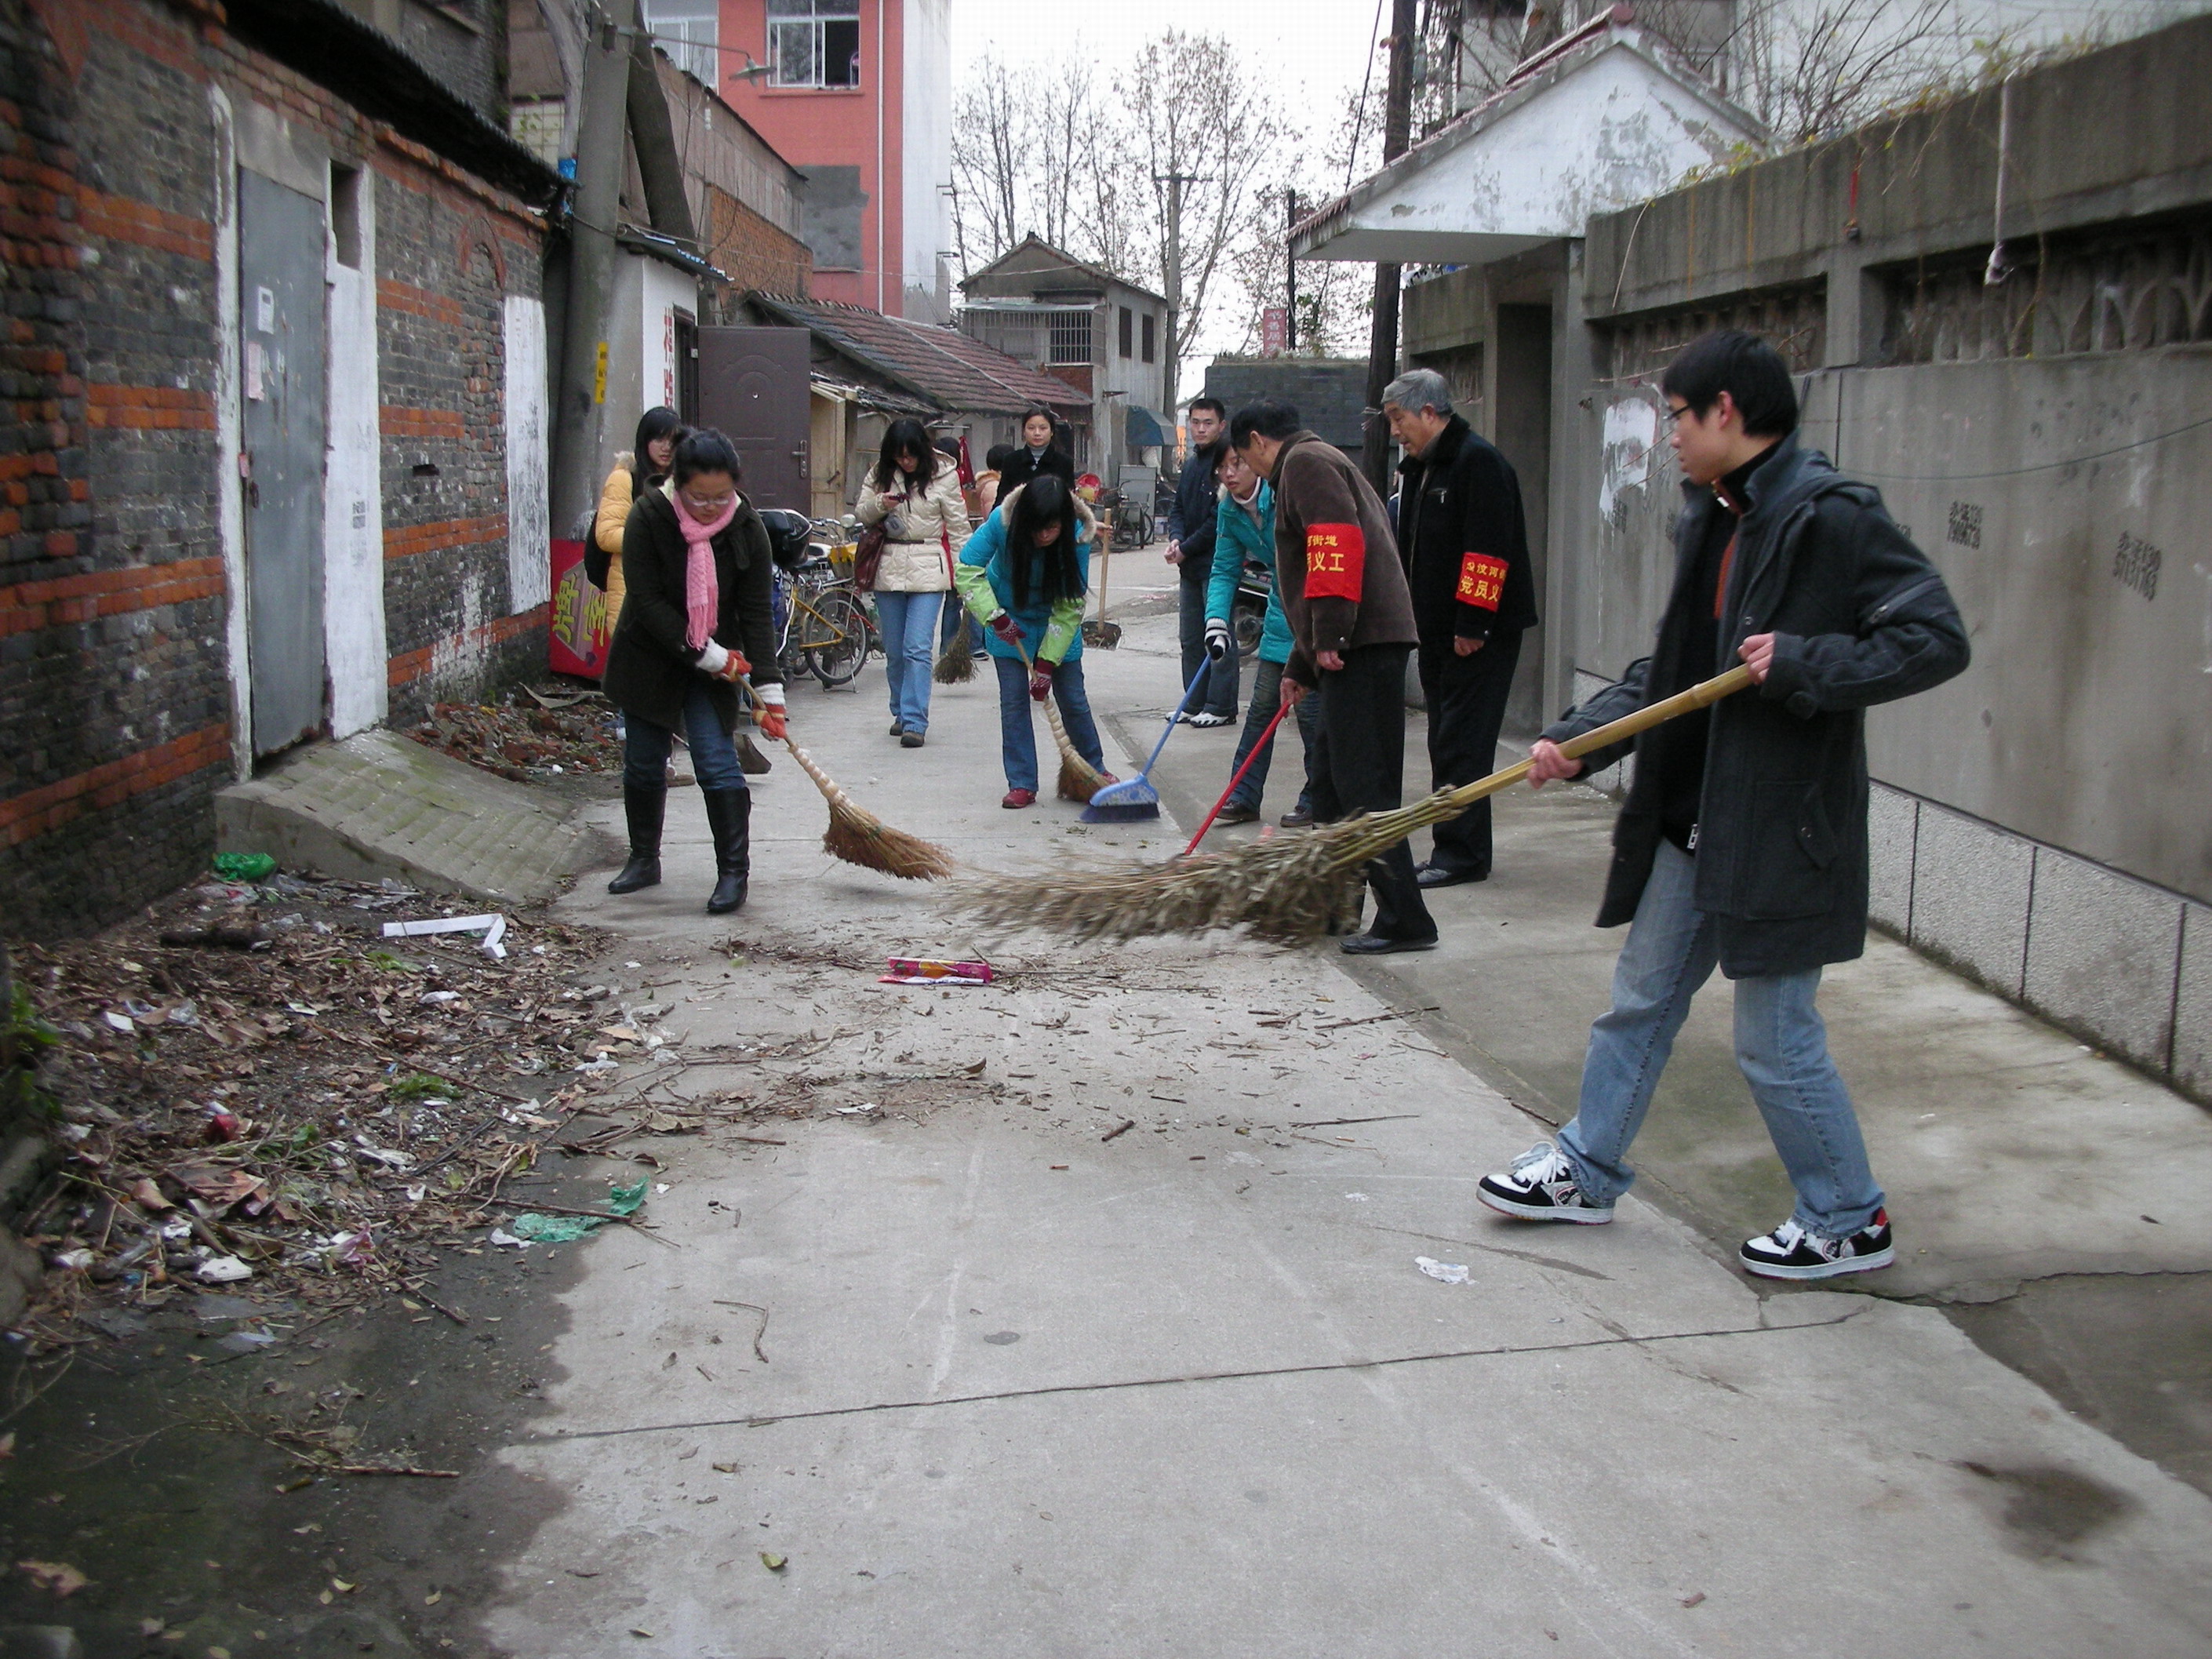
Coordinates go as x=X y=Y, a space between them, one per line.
x=752 y=1307
x=1120 y=1128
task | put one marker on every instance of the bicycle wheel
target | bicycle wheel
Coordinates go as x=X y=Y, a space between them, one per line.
x=838 y=647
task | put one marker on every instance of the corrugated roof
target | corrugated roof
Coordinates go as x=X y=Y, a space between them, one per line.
x=942 y=364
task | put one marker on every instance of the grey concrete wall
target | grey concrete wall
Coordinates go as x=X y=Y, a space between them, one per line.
x=2043 y=822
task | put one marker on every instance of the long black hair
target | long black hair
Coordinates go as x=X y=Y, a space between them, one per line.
x=906 y=437
x=1045 y=500
x=662 y=423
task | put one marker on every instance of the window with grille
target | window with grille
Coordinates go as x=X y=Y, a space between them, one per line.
x=1070 y=341
x=1151 y=339
x=1128 y=319
x=814 y=43
x=688 y=31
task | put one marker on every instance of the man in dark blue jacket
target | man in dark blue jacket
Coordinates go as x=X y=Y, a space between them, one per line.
x=1743 y=840
x=1190 y=549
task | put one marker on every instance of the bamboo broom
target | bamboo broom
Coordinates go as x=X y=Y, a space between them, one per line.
x=1286 y=888
x=1079 y=778
x=859 y=836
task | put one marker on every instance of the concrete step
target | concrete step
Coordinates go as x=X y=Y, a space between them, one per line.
x=381 y=805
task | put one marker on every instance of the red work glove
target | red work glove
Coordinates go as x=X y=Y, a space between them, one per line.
x=773 y=725
x=1007 y=628
x=1040 y=680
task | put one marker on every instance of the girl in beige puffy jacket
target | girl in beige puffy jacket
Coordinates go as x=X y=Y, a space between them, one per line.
x=914 y=493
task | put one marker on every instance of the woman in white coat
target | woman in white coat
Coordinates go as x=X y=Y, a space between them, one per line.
x=913 y=493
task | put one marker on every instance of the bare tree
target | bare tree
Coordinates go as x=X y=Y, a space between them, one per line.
x=989 y=177
x=1193 y=110
x=1334 y=298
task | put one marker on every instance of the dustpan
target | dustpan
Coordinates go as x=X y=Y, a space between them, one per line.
x=1134 y=798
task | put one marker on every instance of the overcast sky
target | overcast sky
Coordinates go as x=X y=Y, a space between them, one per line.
x=1317 y=49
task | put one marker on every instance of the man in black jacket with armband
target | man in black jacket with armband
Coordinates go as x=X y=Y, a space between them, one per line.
x=1466 y=545
x=1743 y=842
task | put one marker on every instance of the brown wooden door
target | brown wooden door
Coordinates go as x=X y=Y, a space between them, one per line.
x=753 y=385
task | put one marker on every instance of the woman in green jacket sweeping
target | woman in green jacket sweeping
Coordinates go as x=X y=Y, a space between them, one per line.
x=1245 y=534
x=1023 y=575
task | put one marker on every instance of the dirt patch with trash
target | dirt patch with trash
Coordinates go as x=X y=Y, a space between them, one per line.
x=535 y=733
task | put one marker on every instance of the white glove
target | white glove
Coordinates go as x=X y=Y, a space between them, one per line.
x=713 y=657
x=770 y=695
x=1217 y=638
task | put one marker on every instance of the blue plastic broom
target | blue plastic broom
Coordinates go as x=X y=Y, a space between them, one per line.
x=1134 y=798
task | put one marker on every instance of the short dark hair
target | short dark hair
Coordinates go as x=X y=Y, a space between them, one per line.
x=1036 y=412
x=1210 y=402
x=1270 y=418
x=948 y=447
x=703 y=449
x=1745 y=367
x=996 y=457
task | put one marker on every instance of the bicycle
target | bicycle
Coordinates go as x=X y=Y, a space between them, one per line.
x=822 y=628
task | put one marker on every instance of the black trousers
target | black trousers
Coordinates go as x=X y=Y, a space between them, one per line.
x=1360 y=766
x=1467 y=700
x=1217 y=694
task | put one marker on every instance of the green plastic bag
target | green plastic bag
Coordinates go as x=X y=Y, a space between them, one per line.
x=627 y=1201
x=245 y=866
x=553 y=1229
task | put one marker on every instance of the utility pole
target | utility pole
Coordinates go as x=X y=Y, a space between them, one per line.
x=1290 y=275
x=1175 y=182
x=579 y=414
x=1383 y=342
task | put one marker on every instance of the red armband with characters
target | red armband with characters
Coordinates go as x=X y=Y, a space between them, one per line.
x=1481 y=580
x=1336 y=561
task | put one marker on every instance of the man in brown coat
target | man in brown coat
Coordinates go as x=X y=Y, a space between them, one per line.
x=1344 y=590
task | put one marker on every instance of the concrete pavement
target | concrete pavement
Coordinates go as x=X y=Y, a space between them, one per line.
x=1022 y=1388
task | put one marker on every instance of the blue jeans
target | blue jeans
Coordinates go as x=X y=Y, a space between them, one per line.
x=909 y=622
x=1266 y=698
x=1017 y=737
x=713 y=751
x=1780 y=1043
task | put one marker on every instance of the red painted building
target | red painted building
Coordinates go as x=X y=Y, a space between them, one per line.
x=857 y=93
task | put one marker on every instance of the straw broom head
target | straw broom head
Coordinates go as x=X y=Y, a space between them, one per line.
x=1079 y=778
x=956 y=663
x=860 y=837
x=1286 y=889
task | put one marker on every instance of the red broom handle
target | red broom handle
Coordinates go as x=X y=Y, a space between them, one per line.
x=1266 y=738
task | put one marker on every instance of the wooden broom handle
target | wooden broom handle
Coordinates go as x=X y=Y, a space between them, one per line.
x=1703 y=695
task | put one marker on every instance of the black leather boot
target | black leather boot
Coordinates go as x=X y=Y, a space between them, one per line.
x=644 y=808
x=729 y=813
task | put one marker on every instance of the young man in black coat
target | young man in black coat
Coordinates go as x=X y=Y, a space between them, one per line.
x=1466 y=545
x=1191 y=522
x=1743 y=842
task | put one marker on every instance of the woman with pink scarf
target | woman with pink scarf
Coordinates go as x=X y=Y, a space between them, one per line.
x=696 y=619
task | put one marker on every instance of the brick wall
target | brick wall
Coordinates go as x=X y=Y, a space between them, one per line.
x=446 y=256
x=753 y=253
x=115 y=613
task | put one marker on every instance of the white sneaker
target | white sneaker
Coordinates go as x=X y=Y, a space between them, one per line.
x=1540 y=1186
x=1791 y=1252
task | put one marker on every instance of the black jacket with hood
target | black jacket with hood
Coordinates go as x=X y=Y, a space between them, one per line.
x=1860 y=617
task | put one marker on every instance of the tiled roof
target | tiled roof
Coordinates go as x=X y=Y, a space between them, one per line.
x=941 y=363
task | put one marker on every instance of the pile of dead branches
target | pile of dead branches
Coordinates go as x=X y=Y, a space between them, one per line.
x=535 y=733
x=251 y=1082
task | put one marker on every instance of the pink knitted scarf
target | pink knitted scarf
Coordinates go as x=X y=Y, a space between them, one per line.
x=702 y=594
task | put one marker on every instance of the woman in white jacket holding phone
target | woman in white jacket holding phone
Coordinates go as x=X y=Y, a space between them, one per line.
x=914 y=492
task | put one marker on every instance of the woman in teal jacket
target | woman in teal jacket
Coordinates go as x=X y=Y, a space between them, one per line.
x=1244 y=531
x=1023 y=575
